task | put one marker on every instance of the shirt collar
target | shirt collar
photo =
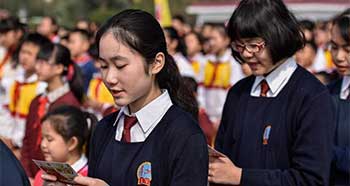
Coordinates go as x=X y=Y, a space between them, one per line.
x=345 y=83
x=31 y=79
x=54 y=95
x=78 y=165
x=150 y=113
x=277 y=77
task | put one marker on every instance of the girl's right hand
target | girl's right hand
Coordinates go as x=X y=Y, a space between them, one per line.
x=88 y=181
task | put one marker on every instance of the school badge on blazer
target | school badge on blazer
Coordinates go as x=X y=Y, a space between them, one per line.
x=266 y=135
x=144 y=174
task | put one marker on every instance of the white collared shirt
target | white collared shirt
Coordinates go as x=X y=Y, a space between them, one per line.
x=57 y=93
x=276 y=80
x=344 y=91
x=81 y=163
x=147 y=118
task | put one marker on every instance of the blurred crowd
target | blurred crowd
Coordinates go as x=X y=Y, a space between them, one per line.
x=49 y=66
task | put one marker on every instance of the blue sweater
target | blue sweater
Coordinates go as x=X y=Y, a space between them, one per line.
x=283 y=140
x=174 y=154
x=11 y=171
x=341 y=150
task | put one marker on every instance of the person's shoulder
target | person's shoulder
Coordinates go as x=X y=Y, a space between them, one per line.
x=242 y=85
x=14 y=173
x=179 y=121
x=107 y=121
x=335 y=86
x=307 y=83
x=305 y=88
x=69 y=99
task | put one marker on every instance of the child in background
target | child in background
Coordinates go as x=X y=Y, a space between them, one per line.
x=194 y=42
x=305 y=57
x=208 y=128
x=64 y=87
x=48 y=27
x=221 y=71
x=78 y=44
x=65 y=134
x=98 y=96
x=21 y=92
x=177 y=50
x=11 y=34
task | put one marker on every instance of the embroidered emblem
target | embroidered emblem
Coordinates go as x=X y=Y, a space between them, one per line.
x=144 y=174
x=266 y=134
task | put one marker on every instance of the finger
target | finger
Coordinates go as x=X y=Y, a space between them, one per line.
x=211 y=166
x=82 y=180
x=49 y=177
x=210 y=173
x=211 y=179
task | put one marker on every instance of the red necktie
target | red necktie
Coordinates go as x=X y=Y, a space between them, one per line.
x=264 y=88
x=128 y=123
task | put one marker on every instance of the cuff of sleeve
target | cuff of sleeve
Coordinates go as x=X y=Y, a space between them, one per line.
x=252 y=177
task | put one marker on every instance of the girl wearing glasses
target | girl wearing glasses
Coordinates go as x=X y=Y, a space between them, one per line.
x=340 y=89
x=276 y=127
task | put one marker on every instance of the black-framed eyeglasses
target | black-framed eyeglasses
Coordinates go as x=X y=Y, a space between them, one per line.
x=250 y=47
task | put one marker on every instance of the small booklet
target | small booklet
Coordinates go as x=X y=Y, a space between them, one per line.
x=214 y=153
x=63 y=171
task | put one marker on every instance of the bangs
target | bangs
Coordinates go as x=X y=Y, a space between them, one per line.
x=45 y=52
x=245 y=24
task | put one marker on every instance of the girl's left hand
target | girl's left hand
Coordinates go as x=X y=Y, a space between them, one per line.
x=51 y=180
x=223 y=171
x=88 y=181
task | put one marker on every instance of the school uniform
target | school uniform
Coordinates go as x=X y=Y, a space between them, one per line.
x=167 y=148
x=183 y=65
x=98 y=92
x=11 y=172
x=219 y=74
x=20 y=94
x=86 y=64
x=341 y=152
x=38 y=108
x=80 y=166
x=284 y=138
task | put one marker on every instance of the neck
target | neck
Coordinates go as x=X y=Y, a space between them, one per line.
x=172 y=52
x=221 y=52
x=73 y=157
x=54 y=84
x=27 y=74
x=192 y=55
x=144 y=100
x=79 y=55
x=275 y=66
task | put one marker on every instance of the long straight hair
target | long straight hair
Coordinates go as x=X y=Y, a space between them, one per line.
x=141 y=32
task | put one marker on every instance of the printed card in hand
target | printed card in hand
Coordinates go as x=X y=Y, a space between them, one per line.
x=63 y=171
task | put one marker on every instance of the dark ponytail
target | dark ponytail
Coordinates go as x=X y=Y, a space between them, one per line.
x=146 y=37
x=71 y=71
x=169 y=78
x=70 y=121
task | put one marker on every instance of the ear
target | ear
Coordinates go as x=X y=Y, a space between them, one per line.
x=158 y=63
x=72 y=143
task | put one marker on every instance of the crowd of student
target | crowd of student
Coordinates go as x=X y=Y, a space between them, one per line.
x=56 y=83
